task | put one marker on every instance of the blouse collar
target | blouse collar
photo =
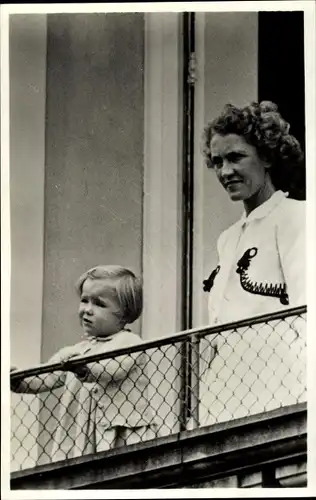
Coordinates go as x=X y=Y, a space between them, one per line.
x=94 y=340
x=265 y=208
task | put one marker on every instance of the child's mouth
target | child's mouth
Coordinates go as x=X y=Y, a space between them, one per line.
x=86 y=321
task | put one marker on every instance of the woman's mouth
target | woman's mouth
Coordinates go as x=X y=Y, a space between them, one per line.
x=232 y=184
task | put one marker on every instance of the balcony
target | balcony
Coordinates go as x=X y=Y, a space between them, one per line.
x=237 y=422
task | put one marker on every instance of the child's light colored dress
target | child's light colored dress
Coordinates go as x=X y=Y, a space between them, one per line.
x=97 y=415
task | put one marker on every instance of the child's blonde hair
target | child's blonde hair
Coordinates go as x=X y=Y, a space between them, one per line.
x=127 y=286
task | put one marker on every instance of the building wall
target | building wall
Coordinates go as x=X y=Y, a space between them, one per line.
x=94 y=158
x=27 y=39
x=227 y=68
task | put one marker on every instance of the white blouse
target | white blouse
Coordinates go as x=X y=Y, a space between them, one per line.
x=261 y=269
x=276 y=233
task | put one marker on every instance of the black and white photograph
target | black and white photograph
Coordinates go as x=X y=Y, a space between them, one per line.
x=158 y=240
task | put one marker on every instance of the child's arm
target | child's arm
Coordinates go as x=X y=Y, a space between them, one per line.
x=45 y=381
x=39 y=383
x=114 y=369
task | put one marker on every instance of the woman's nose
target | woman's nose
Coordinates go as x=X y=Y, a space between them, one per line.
x=227 y=169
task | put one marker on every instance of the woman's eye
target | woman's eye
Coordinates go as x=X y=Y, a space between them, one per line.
x=234 y=157
x=100 y=304
x=217 y=161
x=83 y=300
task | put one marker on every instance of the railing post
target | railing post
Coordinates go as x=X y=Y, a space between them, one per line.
x=195 y=380
x=183 y=417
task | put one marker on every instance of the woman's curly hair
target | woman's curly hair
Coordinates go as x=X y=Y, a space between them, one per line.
x=262 y=126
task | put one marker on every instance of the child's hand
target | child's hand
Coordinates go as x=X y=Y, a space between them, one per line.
x=70 y=356
x=82 y=372
x=65 y=359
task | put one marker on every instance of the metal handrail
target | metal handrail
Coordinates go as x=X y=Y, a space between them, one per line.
x=193 y=333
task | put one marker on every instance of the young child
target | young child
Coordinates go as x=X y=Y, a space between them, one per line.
x=104 y=403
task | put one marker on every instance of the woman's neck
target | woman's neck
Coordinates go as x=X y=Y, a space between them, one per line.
x=260 y=197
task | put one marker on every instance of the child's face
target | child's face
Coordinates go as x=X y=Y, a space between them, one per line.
x=99 y=311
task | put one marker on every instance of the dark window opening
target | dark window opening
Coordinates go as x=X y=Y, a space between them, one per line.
x=281 y=72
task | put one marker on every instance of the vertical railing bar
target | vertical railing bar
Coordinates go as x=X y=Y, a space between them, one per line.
x=183 y=385
x=195 y=381
x=187 y=205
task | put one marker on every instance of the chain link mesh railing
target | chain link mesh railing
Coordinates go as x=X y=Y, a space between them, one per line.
x=191 y=379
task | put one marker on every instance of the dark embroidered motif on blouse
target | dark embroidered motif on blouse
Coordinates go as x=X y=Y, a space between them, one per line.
x=208 y=284
x=269 y=290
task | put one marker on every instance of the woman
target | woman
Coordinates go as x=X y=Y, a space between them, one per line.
x=261 y=266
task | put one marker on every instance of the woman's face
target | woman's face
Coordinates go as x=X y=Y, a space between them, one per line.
x=239 y=169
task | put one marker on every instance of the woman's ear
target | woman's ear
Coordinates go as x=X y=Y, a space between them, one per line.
x=267 y=164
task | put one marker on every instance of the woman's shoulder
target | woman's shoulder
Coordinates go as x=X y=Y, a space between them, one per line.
x=290 y=223
x=291 y=212
x=292 y=204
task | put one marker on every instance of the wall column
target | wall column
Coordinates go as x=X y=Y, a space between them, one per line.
x=162 y=175
x=27 y=39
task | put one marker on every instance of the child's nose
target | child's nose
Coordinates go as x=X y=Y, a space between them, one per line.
x=88 y=308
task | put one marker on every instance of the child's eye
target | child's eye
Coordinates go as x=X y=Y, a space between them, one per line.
x=100 y=304
x=83 y=300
